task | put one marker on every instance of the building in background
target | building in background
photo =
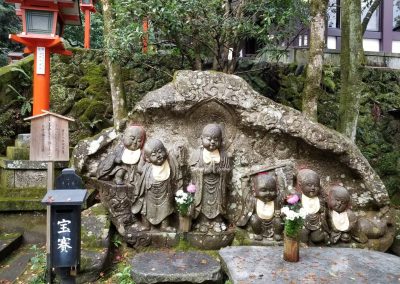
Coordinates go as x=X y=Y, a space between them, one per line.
x=382 y=34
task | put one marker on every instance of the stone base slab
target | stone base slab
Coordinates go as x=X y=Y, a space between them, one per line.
x=260 y=265
x=175 y=267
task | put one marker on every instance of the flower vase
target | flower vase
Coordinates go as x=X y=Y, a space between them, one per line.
x=291 y=248
x=185 y=223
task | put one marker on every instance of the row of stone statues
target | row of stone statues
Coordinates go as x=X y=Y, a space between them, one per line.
x=329 y=216
x=155 y=174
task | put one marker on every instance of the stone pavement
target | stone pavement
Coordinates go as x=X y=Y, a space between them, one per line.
x=250 y=264
x=175 y=267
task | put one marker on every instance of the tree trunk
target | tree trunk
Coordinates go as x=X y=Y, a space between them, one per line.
x=114 y=69
x=350 y=64
x=315 y=58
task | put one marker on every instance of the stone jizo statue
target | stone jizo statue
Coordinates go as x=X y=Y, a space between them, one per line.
x=262 y=208
x=315 y=226
x=157 y=185
x=342 y=221
x=210 y=168
x=121 y=164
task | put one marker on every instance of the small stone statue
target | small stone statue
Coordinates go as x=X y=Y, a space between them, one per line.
x=262 y=209
x=342 y=221
x=315 y=226
x=122 y=164
x=210 y=167
x=157 y=186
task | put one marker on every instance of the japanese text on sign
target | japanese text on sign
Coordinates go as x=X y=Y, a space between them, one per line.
x=63 y=241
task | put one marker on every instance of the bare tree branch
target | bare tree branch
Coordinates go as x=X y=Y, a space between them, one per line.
x=368 y=16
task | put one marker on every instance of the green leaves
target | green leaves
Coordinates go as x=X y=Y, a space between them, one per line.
x=205 y=29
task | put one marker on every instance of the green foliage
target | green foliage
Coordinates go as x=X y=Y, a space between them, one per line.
x=38 y=266
x=203 y=29
x=293 y=227
x=124 y=275
x=116 y=241
x=9 y=24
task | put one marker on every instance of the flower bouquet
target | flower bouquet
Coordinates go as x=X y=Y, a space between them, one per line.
x=184 y=201
x=294 y=217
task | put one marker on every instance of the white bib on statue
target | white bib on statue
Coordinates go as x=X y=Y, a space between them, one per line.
x=265 y=210
x=130 y=157
x=161 y=173
x=310 y=204
x=340 y=221
x=209 y=157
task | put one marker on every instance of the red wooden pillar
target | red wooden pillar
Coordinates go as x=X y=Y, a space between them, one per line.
x=145 y=39
x=41 y=80
x=87 y=29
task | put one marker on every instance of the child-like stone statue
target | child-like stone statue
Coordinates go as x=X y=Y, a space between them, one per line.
x=157 y=186
x=210 y=168
x=341 y=219
x=121 y=164
x=262 y=208
x=315 y=226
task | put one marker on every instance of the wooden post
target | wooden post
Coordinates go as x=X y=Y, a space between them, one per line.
x=87 y=29
x=50 y=186
x=145 y=39
x=41 y=80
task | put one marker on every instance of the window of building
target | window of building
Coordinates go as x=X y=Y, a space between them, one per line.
x=371 y=44
x=396 y=15
x=396 y=46
x=334 y=14
x=331 y=42
x=374 y=22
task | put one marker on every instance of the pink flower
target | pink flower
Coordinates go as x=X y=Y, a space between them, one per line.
x=191 y=188
x=293 y=199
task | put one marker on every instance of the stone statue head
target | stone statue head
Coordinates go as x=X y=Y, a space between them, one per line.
x=134 y=137
x=211 y=137
x=338 y=198
x=155 y=152
x=308 y=182
x=265 y=187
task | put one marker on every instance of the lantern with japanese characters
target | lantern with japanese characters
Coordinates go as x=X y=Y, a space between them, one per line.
x=65 y=243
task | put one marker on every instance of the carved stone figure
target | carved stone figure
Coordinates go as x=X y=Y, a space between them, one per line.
x=157 y=186
x=342 y=221
x=262 y=208
x=210 y=167
x=315 y=226
x=121 y=164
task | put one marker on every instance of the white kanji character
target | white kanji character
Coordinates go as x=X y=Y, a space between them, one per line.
x=64 y=226
x=64 y=244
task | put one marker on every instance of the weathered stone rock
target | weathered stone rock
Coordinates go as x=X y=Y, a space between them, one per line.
x=175 y=267
x=261 y=265
x=258 y=134
x=95 y=236
x=395 y=248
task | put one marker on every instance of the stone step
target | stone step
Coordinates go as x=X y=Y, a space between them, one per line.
x=18 y=203
x=175 y=267
x=13 y=267
x=10 y=204
x=9 y=242
x=17 y=153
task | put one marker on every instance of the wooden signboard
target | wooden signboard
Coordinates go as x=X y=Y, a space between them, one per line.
x=49 y=137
